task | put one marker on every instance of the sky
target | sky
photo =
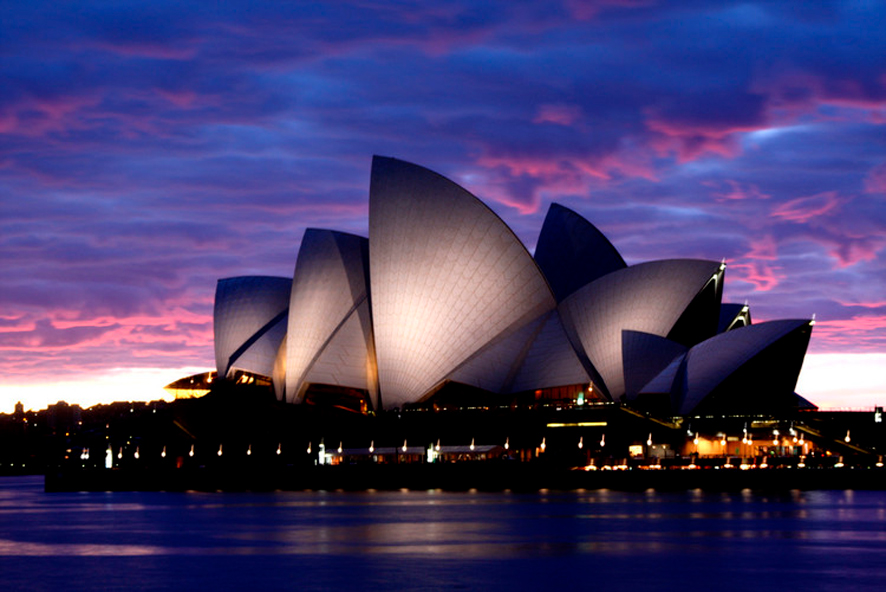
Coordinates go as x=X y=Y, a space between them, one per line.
x=149 y=149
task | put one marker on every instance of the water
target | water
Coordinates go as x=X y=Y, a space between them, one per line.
x=595 y=540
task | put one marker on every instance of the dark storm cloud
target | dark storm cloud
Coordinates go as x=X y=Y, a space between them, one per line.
x=148 y=150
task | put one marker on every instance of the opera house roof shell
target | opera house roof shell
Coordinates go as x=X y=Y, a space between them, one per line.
x=443 y=292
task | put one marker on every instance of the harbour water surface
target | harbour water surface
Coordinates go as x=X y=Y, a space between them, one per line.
x=433 y=540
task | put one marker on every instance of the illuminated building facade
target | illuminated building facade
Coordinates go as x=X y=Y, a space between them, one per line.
x=443 y=293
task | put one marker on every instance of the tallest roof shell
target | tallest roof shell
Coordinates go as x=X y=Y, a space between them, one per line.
x=446 y=275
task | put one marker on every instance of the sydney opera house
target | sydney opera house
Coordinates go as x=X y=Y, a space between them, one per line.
x=439 y=352
x=442 y=302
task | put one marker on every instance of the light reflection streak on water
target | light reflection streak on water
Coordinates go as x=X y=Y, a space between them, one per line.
x=438 y=524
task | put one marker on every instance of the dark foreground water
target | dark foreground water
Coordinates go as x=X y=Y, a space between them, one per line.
x=595 y=540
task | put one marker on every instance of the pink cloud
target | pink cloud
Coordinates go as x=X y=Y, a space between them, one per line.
x=571 y=175
x=700 y=124
x=183 y=99
x=688 y=144
x=737 y=192
x=803 y=209
x=858 y=331
x=793 y=94
x=850 y=251
x=756 y=267
x=45 y=336
x=584 y=10
x=36 y=117
x=148 y=50
x=879 y=304
x=559 y=114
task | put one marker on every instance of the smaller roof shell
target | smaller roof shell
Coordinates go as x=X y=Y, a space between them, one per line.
x=710 y=363
x=649 y=297
x=247 y=319
x=572 y=252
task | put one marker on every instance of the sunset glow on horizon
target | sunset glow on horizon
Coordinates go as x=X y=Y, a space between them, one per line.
x=149 y=150
x=831 y=381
